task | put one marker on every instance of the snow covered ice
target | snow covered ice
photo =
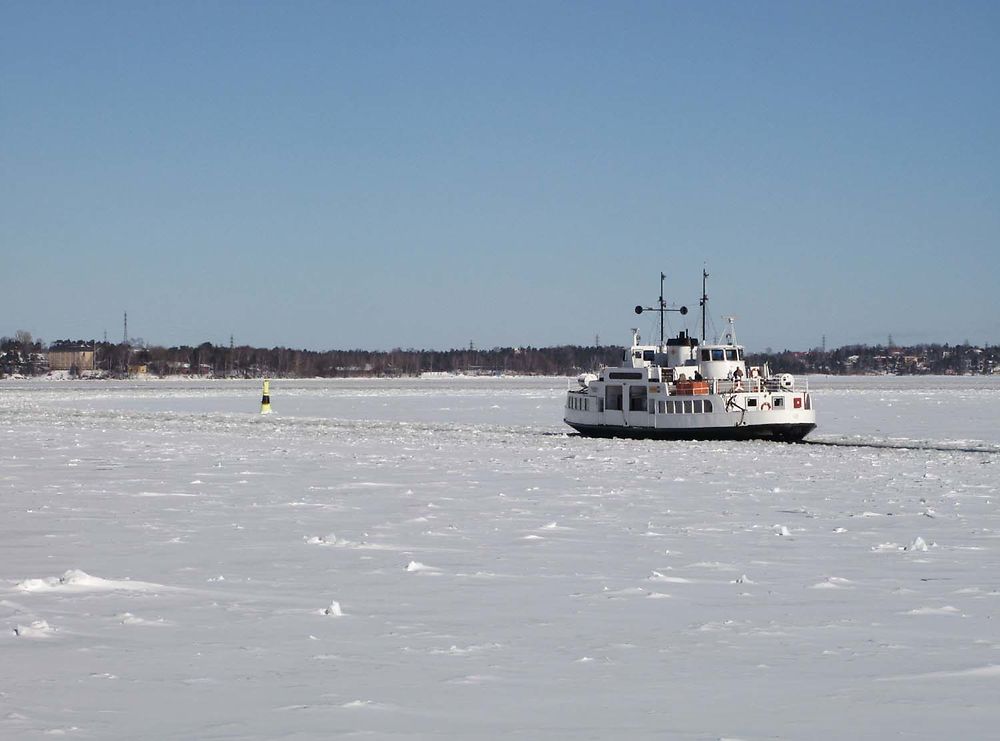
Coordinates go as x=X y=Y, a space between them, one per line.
x=439 y=558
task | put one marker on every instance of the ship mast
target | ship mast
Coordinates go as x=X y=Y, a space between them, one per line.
x=662 y=308
x=662 y=305
x=704 y=302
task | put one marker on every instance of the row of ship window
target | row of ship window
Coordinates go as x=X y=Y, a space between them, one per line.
x=694 y=406
x=688 y=406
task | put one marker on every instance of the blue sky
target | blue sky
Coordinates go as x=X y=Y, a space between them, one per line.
x=374 y=175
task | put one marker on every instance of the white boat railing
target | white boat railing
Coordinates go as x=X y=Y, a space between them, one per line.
x=747 y=386
x=730 y=386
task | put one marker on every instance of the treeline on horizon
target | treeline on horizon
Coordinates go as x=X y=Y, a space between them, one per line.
x=23 y=355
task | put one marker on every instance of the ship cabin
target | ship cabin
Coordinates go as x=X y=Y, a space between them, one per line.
x=717 y=362
x=681 y=359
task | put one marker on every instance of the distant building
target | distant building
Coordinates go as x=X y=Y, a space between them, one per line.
x=71 y=358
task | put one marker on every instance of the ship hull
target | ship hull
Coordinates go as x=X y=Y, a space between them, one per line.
x=785 y=432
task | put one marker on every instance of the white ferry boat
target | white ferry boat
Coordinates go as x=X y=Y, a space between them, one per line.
x=681 y=389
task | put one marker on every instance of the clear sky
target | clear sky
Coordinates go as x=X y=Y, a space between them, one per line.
x=426 y=174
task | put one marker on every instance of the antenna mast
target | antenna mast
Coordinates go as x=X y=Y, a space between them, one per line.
x=704 y=301
x=662 y=305
x=662 y=308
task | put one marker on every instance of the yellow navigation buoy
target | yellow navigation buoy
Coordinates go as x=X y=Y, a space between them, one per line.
x=265 y=401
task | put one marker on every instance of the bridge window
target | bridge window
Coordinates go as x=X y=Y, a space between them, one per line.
x=706 y=354
x=731 y=354
x=626 y=375
x=718 y=354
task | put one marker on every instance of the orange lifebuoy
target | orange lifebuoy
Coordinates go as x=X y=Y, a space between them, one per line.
x=765 y=407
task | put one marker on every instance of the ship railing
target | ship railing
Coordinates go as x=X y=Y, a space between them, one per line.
x=773 y=384
x=750 y=385
x=737 y=386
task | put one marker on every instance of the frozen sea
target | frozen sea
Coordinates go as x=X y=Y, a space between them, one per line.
x=441 y=559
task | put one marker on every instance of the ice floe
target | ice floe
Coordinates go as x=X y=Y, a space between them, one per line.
x=76 y=580
x=944 y=610
x=35 y=629
x=417 y=567
x=333 y=610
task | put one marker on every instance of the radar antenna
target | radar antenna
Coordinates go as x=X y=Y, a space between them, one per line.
x=731 y=334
